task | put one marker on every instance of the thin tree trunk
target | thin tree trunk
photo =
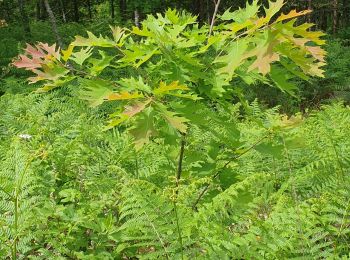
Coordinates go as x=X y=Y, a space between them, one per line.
x=24 y=17
x=198 y=9
x=42 y=10
x=38 y=10
x=335 y=16
x=137 y=18
x=122 y=9
x=76 y=10
x=89 y=9
x=217 y=4
x=111 y=2
x=53 y=23
x=346 y=10
x=63 y=10
x=323 y=20
x=208 y=12
x=309 y=6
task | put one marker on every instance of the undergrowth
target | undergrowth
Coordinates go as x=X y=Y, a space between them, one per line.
x=70 y=191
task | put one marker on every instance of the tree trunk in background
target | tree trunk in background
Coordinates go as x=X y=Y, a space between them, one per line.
x=122 y=9
x=38 y=9
x=199 y=8
x=346 y=11
x=309 y=7
x=208 y=12
x=63 y=11
x=137 y=18
x=53 y=23
x=335 y=16
x=42 y=10
x=76 y=10
x=111 y=4
x=89 y=9
x=24 y=17
x=323 y=20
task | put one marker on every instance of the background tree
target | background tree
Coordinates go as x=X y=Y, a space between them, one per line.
x=24 y=17
x=53 y=23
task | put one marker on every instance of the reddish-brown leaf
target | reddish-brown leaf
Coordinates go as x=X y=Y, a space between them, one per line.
x=35 y=53
x=131 y=110
x=27 y=63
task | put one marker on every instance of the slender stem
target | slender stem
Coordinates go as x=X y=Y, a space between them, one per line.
x=179 y=231
x=194 y=206
x=213 y=18
x=14 y=249
x=177 y=180
x=179 y=165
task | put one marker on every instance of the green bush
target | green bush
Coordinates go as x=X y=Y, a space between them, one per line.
x=85 y=198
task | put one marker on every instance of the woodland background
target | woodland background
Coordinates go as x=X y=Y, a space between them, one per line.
x=29 y=21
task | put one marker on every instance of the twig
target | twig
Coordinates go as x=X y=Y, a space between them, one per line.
x=213 y=18
x=179 y=230
x=194 y=207
x=179 y=166
x=177 y=180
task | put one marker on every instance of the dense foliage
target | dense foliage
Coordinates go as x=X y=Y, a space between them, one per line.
x=169 y=140
x=83 y=194
x=174 y=67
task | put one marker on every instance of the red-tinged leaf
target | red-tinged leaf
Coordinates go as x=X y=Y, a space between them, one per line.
x=299 y=41
x=27 y=63
x=263 y=62
x=317 y=52
x=118 y=35
x=35 y=53
x=265 y=53
x=50 y=50
x=131 y=110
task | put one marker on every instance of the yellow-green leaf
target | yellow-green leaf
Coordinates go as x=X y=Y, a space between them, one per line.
x=124 y=95
x=164 y=88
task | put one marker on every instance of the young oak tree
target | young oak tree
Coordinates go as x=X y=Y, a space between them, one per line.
x=178 y=67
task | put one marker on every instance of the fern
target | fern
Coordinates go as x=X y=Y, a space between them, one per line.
x=18 y=199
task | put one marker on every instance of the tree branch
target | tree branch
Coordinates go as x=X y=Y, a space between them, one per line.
x=179 y=166
x=213 y=18
x=194 y=207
